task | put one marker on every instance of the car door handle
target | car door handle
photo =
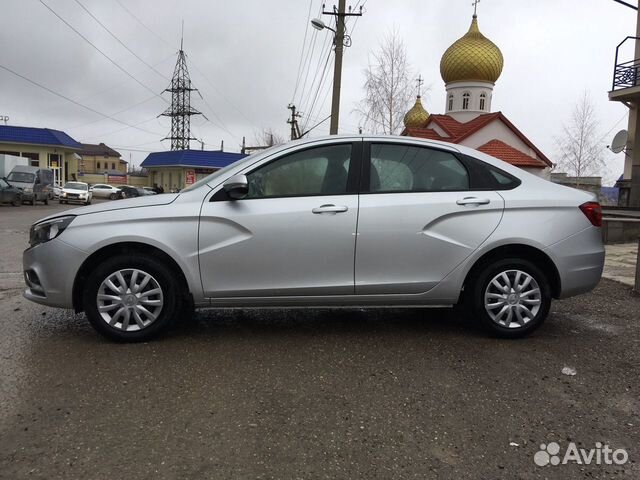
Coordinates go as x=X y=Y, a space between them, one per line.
x=473 y=201
x=330 y=209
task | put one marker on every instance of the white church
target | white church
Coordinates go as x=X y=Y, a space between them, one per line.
x=470 y=68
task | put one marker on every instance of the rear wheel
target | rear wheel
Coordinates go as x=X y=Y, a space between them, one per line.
x=33 y=199
x=113 y=196
x=510 y=298
x=46 y=200
x=131 y=298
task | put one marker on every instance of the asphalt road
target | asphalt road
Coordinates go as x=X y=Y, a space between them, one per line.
x=314 y=393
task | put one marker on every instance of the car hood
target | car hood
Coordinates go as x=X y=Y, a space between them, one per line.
x=20 y=185
x=145 y=201
x=73 y=190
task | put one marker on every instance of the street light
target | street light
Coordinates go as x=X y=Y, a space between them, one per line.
x=320 y=25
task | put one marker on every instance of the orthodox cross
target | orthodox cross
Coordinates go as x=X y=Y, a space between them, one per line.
x=475 y=7
x=419 y=82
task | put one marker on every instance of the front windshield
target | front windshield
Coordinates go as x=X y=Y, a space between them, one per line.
x=23 y=177
x=3 y=184
x=75 y=186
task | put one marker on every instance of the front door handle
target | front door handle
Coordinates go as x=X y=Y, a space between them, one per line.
x=473 y=201
x=330 y=208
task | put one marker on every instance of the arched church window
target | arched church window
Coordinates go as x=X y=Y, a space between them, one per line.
x=450 y=102
x=465 y=100
x=483 y=101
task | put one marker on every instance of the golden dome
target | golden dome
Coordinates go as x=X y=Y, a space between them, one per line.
x=416 y=117
x=472 y=58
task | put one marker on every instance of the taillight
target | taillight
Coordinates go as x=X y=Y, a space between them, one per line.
x=593 y=211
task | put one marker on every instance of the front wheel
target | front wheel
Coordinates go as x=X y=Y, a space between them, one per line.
x=511 y=297
x=131 y=298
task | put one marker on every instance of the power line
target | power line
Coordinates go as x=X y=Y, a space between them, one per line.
x=114 y=113
x=323 y=77
x=143 y=25
x=120 y=41
x=325 y=49
x=33 y=82
x=304 y=44
x=224 y=97
x=100 y=51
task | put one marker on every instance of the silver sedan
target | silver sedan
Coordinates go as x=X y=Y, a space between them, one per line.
x=102 y=190
x=338 y=221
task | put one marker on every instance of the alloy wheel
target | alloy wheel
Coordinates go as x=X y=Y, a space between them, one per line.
x=512 y=298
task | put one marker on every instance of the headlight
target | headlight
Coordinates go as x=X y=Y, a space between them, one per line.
x=48 y=230
x=64 y=194
x=28 y=190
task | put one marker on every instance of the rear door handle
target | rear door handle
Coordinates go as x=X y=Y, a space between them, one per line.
x=330 y=209
x=473 y=201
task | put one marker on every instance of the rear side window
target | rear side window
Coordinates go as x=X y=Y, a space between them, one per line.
x=408 y=168
x=488 y=177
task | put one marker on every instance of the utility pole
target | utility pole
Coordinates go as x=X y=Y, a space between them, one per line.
x=295 y=129
x=340 y=13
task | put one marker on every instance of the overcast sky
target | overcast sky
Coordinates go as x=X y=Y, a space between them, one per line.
x=244 y=57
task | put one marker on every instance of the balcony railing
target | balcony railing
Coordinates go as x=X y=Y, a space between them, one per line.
x=626 y=74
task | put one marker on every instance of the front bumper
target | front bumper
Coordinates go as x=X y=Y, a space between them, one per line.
x=50 y=269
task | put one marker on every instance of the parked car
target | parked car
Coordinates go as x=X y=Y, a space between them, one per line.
x=10 y=194
x=149 y=191
x=76 y=192
x=433 y=223
x=36 y=183
x=102 y=190
x=129 y=191
x=57 y=190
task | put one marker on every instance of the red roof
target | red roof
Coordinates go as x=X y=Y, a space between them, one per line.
x=499 y=149
x=458 y=131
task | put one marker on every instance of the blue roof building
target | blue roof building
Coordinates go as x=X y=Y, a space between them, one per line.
x=176 y=169
x=44 y=147
x=36 y=136
x=210 y=159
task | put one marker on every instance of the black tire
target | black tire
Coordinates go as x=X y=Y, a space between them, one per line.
x=478 y=287
x=61 y=201
x=33 y=200
x=46 y=200
x=17 y=202
x=166 y=280
x=113 y=196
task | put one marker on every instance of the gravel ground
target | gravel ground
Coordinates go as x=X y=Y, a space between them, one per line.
x=319 y=394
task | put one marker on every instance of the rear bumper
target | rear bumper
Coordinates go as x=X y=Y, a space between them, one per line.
x=580 y=261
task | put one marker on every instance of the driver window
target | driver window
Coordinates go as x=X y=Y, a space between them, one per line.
x=317 y=171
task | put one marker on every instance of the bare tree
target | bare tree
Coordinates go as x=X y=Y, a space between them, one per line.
x=269 y=138
x=388 y=87
x=581 y=154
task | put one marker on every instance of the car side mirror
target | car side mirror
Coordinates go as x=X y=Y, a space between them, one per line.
x=236 y=187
